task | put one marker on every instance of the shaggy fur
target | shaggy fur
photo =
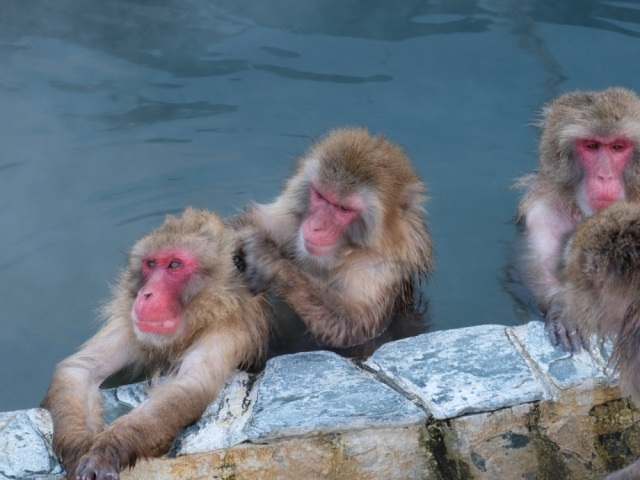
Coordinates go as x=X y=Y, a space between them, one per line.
x=345 y=297
x=224 y=327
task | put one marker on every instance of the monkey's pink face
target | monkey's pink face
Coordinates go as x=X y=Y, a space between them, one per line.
x=158 y=306
x=603 y=159
x=329 y=215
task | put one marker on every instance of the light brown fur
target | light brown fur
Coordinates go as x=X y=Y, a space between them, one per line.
x=226 y=327
x=551 y=206
x=601 y=272
x=346 y=297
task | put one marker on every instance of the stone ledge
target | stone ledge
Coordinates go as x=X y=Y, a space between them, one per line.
x=482 y=402
x=453 y=372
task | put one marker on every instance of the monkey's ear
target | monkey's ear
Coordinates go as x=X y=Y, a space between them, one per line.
x=412 y=197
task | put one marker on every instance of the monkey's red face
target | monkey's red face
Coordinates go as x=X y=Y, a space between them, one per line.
x=329 y=215
x=158 y=306
x=603 y=159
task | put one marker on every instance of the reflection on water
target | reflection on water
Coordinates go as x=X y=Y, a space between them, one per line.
x=116 y=113
x=320 y=77
x=372 y=20
x=148 y=111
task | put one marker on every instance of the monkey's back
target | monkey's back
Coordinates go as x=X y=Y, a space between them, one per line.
x=602 y=273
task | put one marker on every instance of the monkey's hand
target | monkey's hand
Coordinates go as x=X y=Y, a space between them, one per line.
x=563 y=330
x=70 y=442
x=261 y=258
x=71 y=459
x=242 y=233
x=94 y=466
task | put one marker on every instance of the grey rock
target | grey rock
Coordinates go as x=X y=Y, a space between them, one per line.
x=25 y=444
x=320 y=392
x=222 y=424
x=564 y=369
x=454 y=372
x=121 y=400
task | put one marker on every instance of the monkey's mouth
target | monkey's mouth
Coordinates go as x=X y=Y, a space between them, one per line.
x=161 y=327
x=315 y=249
x=598 y=204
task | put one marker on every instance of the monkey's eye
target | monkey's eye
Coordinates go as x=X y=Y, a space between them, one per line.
x=592 y=145
x=617 y=147
x=175 y=264
x=151 y=264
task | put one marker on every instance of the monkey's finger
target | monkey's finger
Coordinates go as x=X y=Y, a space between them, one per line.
x=550 y=328
x=563 y=337
x=575 y=341
x=95 y=468
x=565 y=343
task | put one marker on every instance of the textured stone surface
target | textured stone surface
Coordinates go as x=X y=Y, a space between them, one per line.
x=317 y=415
x=563 y=368
x=493 y=445
x=25 y=445
x=315 y=392
x=375 y=454
x=222 y=425
x=459 y=371
x=121 y=400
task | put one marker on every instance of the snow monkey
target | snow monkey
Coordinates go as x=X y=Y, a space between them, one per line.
x=601 y=276
x=180 y=308
x=589 y=159
x=346 y=241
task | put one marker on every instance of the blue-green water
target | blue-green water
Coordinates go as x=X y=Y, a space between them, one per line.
x=116 y=112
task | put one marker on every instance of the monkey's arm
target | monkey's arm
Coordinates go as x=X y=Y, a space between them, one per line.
x=340 y=317
x=74 y=397
x=546 y=232
x=175 y=402
x=334 y=317
x=254 y=219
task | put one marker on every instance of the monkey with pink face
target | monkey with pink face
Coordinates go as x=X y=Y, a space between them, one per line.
x=589 y=159
x=345 y=242
x=180 y=308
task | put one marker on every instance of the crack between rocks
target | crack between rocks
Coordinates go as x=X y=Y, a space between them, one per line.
x=548 y=387
x=381 y=377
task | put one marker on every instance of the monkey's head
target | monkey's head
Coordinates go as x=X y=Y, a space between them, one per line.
x=351 y=190
x=602 y=262
x=589 y=147
x=167 y=271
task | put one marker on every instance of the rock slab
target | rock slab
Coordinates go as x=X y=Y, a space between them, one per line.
x=454 y=372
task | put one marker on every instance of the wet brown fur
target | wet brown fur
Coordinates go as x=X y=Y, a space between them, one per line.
x=227 y=328
x=550 y=208
x=348 y=299
x=602 y=276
